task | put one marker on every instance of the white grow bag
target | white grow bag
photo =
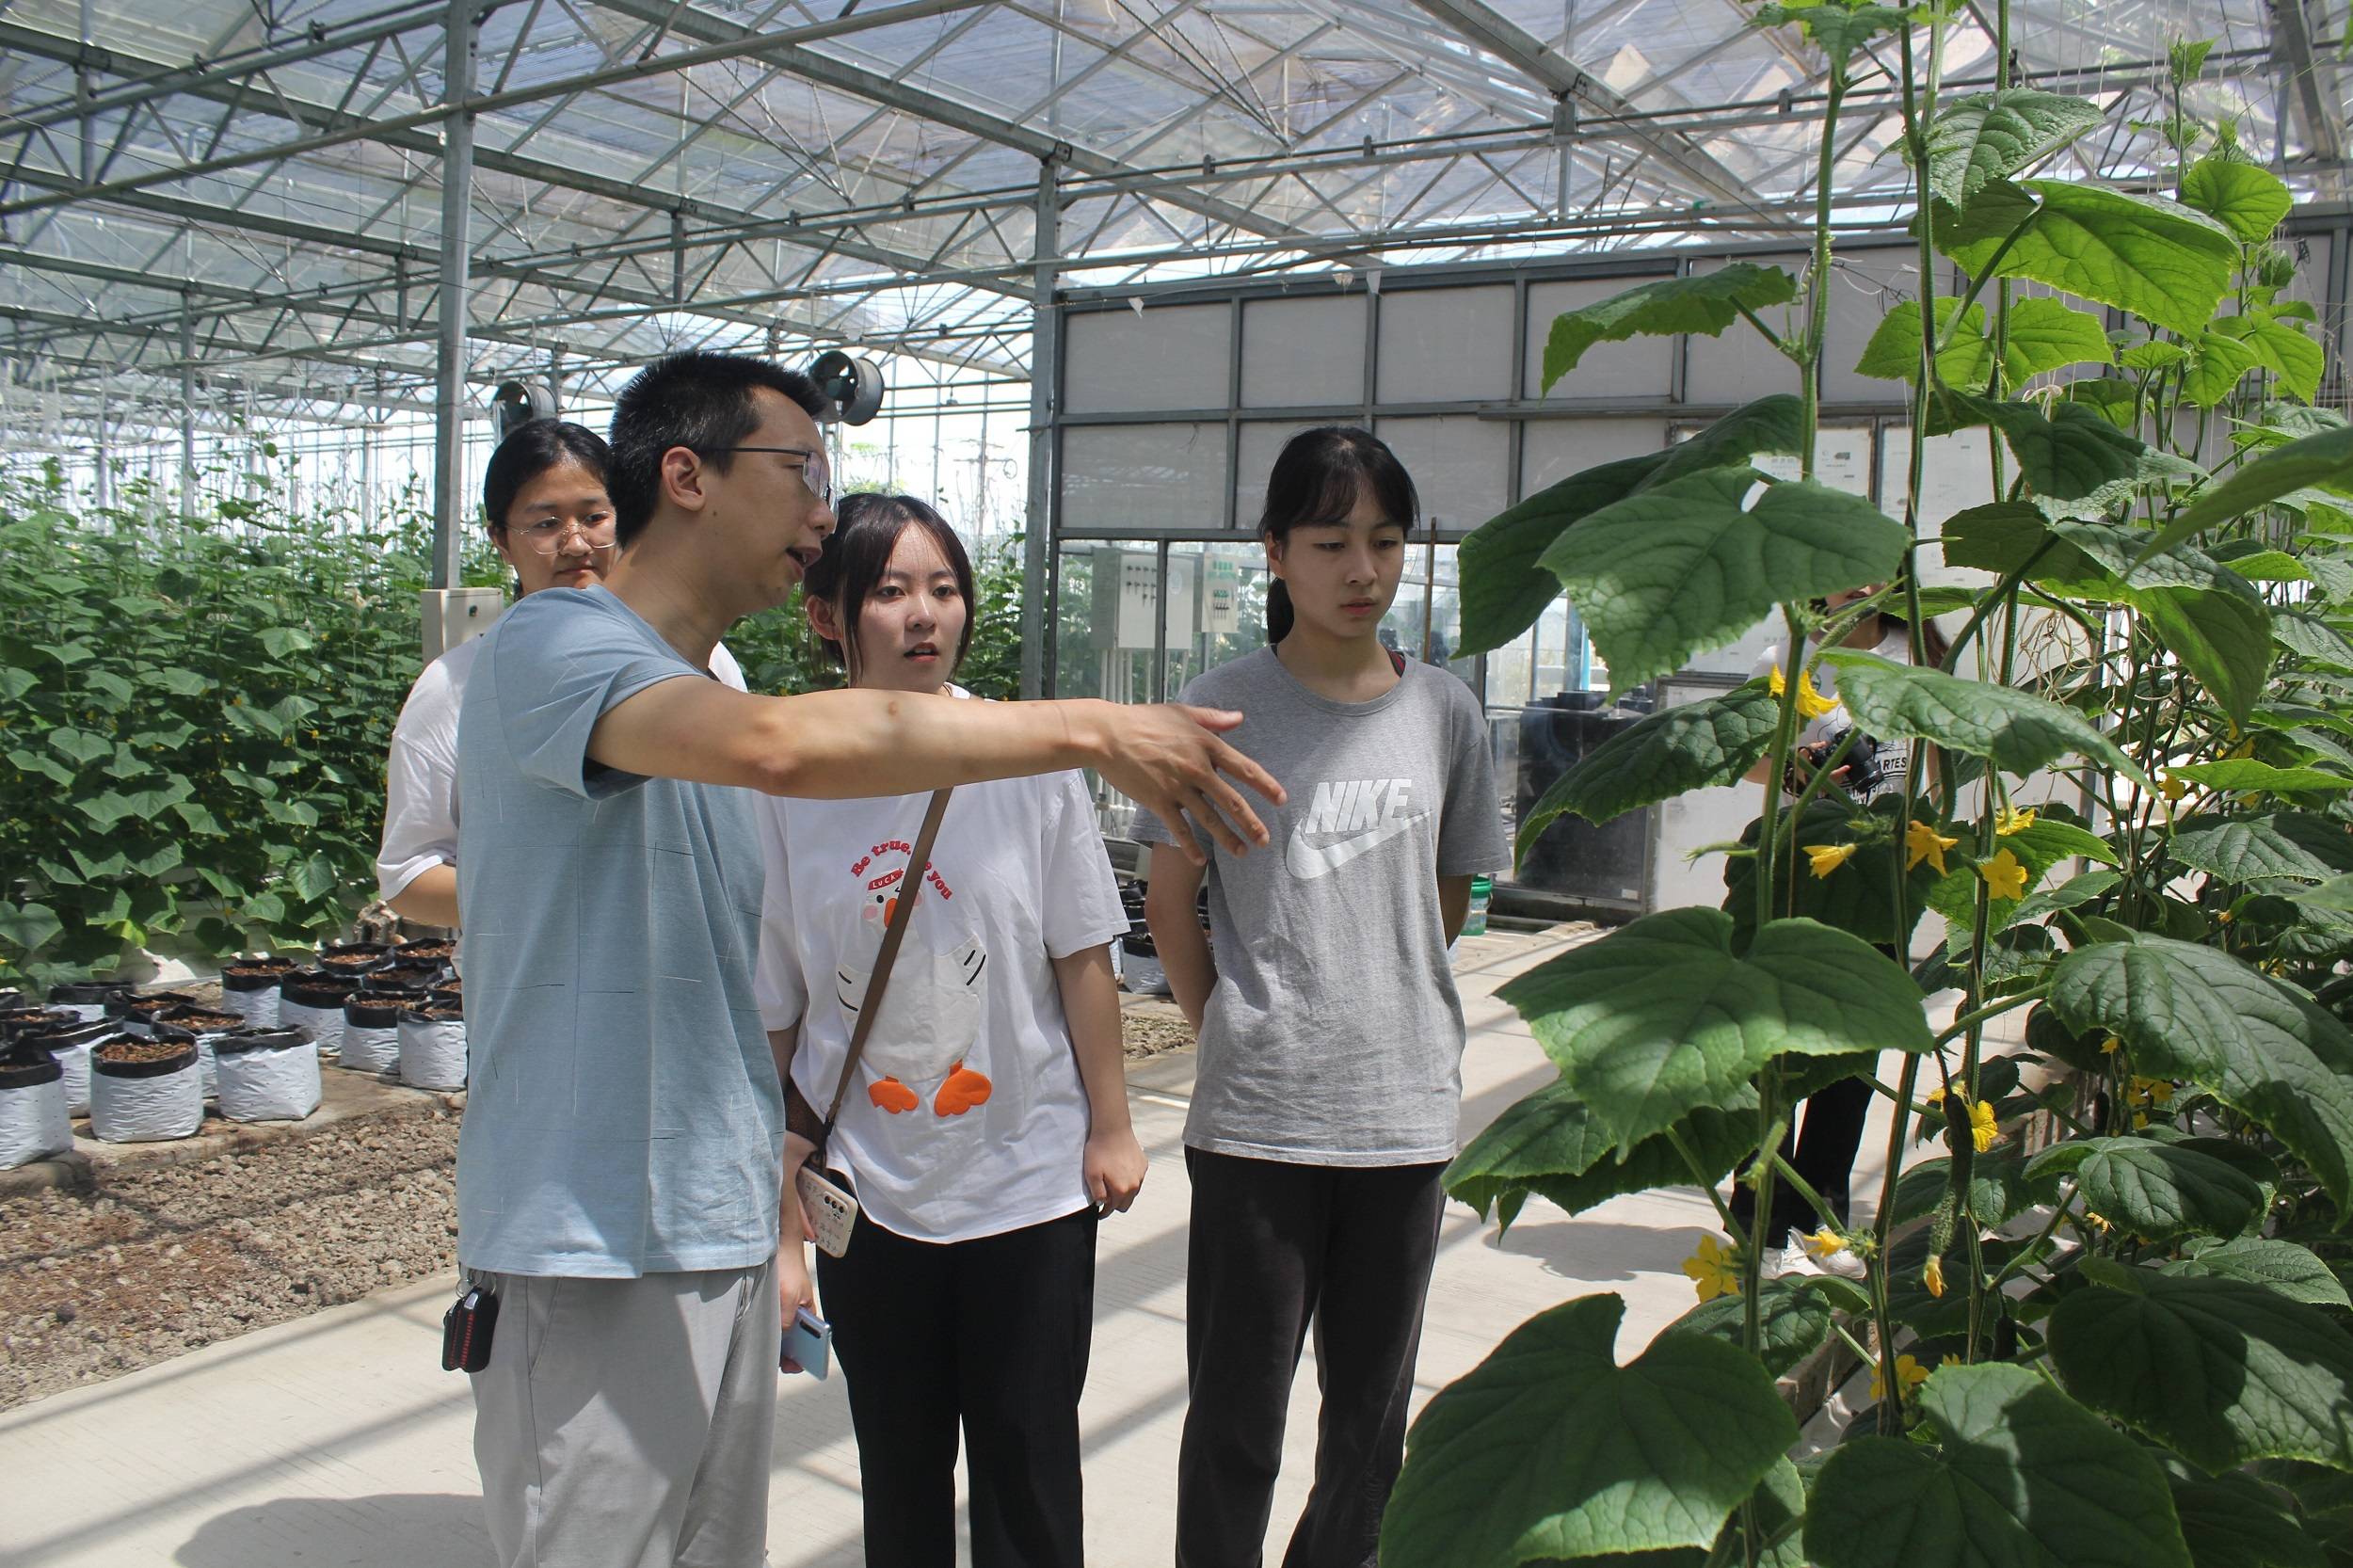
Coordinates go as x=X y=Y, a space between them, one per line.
x=369 y=1048
x=33 y=1121
x=258 y=1008
x=432 y=1051
x=145 y=1109
x=275 y=1079
x=318 y=1018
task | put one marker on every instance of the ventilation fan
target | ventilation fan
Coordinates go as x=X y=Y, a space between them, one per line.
x=516 y=404
x=852 y=389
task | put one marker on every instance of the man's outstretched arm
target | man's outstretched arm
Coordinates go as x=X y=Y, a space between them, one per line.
x=849 y=745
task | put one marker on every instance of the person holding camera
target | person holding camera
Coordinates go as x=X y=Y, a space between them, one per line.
x=1826 y=1129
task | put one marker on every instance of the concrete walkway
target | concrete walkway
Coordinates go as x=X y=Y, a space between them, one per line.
x=338 y=1441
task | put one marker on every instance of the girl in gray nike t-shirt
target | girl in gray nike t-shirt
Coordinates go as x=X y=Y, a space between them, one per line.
x=1330 y=1035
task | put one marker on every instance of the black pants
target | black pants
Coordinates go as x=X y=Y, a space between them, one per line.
x=992 y=1333
x=1274 y=1248
x=1822 y=1151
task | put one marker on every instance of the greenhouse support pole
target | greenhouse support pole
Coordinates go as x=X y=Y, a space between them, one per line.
x=187 y=404
x=464 y=38
x=1044 y=377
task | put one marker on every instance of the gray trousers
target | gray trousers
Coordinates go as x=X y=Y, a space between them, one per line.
x=628 y=1423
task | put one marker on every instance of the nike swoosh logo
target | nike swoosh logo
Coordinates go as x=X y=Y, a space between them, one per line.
x=1309 y=861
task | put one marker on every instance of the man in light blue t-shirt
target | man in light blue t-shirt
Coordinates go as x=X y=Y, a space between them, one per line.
x=624 y=1172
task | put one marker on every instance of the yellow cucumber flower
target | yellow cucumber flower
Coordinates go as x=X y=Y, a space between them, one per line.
x=1824 y=1243
x=1982 y=1127
x=1713 y=1270
x=1812 y=704
x=2110 y=1046
x=2006 y=874
x=2172 y=788
x=2150 y=1091
x=2009 y=820
x=1922 y=843
x=1909 y=1372
x=1933 y=1276
x=1827 y=858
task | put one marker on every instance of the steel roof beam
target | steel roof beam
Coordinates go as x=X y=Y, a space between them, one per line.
x=1488 y=29
x=840 y=77
x=361 y=128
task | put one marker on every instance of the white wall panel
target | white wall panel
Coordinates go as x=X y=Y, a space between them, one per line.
x=1459 y=464
x=1144 y=478
x=1863 y=289
x=1444 y=346
x=1556 y=448
x=1168 y=356
x=1261 y=442
x=1306 y=351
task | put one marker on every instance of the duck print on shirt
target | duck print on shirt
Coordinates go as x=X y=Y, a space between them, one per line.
x=932 y=1007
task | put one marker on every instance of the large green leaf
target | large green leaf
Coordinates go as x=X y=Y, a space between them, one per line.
x=1686 y=747
x=2017 y=731
x=1964 y=356
x=2264 y=844
x=1504 y=589
x=2282 y=349
x=2236 y=1522
x=1550 y=1450
x=2025 y=1477
x=2239 y=774
x=1774 y=423
x=1706 y=303
x=2217 y=363
x=2042 y=334
x=2297 y=1273
x=1549 y=1144
x=2003 y=537
x=2311 y=638
x=2248 y=199
x=1793 y=1317
x=26 y=927
x=1993 y=135
x=1660 y=1017
x=2153 y=1190
x=2325 y=459
x=2067 y=454
x=2260 y=1046
x=2157 y=259
x=2219 y=1370
x=1661 y=575
x=2224 y=638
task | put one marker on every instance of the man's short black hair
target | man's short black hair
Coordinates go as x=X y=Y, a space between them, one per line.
x=702 y=402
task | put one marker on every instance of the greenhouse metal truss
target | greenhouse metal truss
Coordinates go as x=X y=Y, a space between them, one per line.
x=332 y=210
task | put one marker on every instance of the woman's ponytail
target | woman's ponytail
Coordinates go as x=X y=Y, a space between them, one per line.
x=1278 y=610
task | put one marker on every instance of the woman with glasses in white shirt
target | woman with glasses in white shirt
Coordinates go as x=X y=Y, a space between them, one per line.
x=551 y=519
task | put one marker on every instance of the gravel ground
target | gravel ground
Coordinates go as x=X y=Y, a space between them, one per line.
x=162 y=1257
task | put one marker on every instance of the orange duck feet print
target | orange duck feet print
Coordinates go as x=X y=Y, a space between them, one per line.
x=892 y=1095
x=963 y=1090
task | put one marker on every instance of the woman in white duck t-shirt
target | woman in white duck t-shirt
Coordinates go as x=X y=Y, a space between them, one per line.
x=986 y=1128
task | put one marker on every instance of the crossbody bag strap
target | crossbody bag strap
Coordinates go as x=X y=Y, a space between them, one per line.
x=895 y=933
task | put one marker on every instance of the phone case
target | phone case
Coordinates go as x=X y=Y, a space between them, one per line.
x=808 y=1340
x=465 y=1331
x=832 y=1212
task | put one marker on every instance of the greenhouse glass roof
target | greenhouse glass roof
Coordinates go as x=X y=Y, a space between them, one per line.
x=260 y=180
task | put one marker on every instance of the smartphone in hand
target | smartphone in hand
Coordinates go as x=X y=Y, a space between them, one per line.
x=808 y=1345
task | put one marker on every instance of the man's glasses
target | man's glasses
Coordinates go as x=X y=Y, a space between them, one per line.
x=814 y=473
x=548 y=536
